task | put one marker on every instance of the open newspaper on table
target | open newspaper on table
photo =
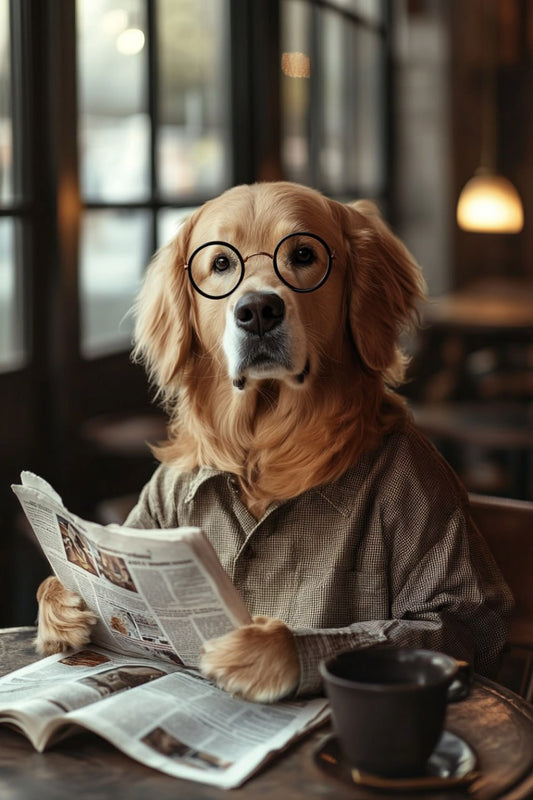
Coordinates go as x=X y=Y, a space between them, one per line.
x=164 y=716
x=158 y=595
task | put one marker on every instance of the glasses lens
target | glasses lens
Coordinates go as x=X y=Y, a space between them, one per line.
x=302 y=261
x=215 y=269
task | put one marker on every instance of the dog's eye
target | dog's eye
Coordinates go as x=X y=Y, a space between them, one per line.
x=221 y=264
x=303 y=256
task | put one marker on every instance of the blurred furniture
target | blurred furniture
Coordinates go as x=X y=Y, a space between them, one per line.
x=495 y=722
x=507 y=527
x=114 y=510
x=471 y=384
x=117 y=459
x=489 y=445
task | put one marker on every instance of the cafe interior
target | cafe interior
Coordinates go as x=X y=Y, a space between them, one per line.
x=119 y=117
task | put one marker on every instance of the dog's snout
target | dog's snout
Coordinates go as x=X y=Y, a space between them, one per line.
x=259 y=312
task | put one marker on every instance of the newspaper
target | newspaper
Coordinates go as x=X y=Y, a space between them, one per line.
x=160 y=593
x=158 y=596
x=162 y=715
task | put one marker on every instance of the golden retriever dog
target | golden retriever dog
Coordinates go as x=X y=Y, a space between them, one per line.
x=270 y=326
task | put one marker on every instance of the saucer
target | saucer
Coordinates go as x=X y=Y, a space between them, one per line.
x=452 y=764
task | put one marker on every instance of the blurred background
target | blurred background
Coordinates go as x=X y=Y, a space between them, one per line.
x=117 y=117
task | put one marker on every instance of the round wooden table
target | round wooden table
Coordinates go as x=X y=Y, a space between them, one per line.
x=496 y=723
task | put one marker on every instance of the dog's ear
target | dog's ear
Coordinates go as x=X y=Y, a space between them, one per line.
x=162 y=311
x=385 y=287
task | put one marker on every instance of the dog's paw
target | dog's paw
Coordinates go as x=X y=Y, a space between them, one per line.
x=64 y=620
x=257 y=662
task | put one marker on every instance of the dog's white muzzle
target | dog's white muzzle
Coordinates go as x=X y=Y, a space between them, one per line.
x=263 y=338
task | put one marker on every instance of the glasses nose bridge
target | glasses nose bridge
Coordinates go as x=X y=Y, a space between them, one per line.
x=255 y=255
x=259 y=253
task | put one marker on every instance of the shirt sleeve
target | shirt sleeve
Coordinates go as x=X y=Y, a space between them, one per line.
x=156 y=506
x=446 y=594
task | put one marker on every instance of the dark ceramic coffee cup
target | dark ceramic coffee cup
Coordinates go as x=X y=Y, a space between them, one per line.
x=388 y=705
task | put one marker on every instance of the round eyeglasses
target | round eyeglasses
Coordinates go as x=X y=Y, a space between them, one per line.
x=302 y=261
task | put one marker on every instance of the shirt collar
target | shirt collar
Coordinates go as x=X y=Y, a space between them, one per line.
x=200 y=477
x=338 y=494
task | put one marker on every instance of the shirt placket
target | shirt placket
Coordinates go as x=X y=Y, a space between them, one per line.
x=250 y=527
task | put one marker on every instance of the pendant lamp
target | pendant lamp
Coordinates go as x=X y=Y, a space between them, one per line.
x=489 y=202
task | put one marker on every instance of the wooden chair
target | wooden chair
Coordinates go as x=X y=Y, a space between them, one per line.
x=507 y=526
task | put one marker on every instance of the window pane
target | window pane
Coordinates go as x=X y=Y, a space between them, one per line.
x=115 y=248
x=295 y=89
x=334 y=110
x=365 y=126
x=333 y=93
x=114 y=128
x=371 y=10
x=6 y=138
x=11 y=349
x=168 y=222
x=352 y=154
x=193 y=153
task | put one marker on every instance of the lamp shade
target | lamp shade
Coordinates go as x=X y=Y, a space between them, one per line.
x=490 y=203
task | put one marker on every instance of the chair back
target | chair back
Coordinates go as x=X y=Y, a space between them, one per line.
x=507 y=527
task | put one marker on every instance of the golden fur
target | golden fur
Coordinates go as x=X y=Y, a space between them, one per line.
x=257 y=661
x=287 y=430
x=64 y=620
x=352 y=325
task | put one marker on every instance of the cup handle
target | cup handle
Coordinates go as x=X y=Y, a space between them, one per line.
x=460 y=686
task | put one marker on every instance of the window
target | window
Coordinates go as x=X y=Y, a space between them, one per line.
x=153 y=131
x=334 y=96
x=193 y=136
x=12 y=351
x=117 y=119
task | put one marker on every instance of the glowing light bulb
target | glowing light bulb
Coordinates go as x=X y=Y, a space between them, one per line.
x=490 y=204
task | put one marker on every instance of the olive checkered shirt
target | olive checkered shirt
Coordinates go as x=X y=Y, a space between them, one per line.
x=385 y=555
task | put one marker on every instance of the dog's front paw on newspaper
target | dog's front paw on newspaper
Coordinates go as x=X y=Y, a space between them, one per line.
x=64 y=620
x=257 y=662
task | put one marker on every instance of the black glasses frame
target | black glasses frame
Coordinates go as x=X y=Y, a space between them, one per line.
x=242 y=261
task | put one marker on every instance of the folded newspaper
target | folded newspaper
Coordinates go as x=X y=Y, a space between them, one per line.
x=158 y=596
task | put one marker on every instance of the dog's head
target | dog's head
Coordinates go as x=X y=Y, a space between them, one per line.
x=301 y=281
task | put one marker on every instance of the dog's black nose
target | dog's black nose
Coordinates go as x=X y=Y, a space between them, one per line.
x=259 y=312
